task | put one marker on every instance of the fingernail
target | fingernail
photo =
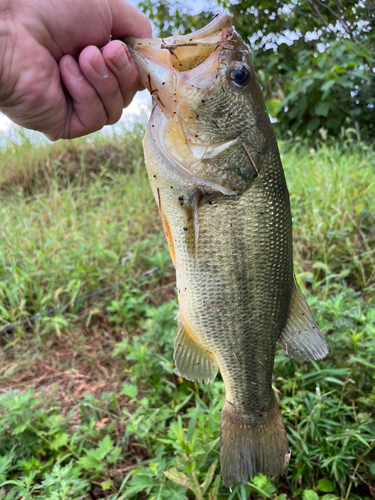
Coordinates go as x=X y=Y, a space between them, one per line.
x=99 y=65
x=74 y=69
x=121 y=60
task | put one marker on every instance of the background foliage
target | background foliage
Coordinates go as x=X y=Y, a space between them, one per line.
x=315 y=58
x=91 y=406
x=90 y=403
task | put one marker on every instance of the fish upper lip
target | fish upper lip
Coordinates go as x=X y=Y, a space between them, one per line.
x=161 y=71
x=218 y=22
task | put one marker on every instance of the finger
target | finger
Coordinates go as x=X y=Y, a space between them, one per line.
x=105 y=83
x=119 y=61
x=128 y=21
x=86 y=113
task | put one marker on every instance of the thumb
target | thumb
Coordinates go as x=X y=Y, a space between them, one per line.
x=128 y=21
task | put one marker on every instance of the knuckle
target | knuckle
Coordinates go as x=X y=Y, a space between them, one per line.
x=115 y=116
x=100 y=121
x=53 y=137
x=127 y=98
x=90 y=122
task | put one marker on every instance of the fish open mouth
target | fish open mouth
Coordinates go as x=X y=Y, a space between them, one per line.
x=174 y=69
x=163 y=64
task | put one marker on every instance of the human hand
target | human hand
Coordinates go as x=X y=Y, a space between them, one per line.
x=53 y=77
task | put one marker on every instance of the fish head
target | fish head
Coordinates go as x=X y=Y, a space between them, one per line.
x=209 y=118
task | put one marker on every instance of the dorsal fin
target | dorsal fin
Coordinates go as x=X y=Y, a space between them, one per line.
x=191 y=360
x=301 y=337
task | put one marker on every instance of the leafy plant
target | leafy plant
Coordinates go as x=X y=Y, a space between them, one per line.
x=328 y=90
x=314 y=58
x=108 y=416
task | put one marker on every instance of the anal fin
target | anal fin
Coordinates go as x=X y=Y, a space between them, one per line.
x=301 y=337
x=191 y=360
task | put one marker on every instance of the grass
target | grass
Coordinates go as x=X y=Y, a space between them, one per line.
x=90 y=403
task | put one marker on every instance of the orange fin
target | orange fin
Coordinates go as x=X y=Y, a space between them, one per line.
x=167 y=232
x=191 y=360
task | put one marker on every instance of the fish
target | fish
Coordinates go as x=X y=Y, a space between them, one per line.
x=216 y=175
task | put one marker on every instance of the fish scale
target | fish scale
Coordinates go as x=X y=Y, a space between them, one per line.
x=217 y=178
x=238 y=252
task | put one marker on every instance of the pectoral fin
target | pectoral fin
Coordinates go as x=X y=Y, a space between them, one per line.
x=191 y=222
x=301 y=336
x=191 y=360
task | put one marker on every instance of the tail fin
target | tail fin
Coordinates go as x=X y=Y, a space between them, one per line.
x=251 y=448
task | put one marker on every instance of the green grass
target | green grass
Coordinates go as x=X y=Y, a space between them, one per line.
x=90 y=404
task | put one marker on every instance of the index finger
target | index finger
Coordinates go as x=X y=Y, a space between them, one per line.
x=128 y=21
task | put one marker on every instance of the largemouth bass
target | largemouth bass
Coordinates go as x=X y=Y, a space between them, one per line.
x=217 y=178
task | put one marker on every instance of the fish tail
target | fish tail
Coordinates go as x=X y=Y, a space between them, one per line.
x=252 y=445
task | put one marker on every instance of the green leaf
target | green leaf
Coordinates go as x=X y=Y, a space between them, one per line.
x=325 y=485
x=264 y=484
x=344 y=273
x=94 y=458
x=89 y=462
x=298 y=107
x=178 y=477
x=5 y=465
x=333 y=124
x=130 y=390
x=305 y=85
x=20 y=484
x=191 y=428
x=310 y=495
x=372 y=468
x=209 y=476
x=181 y=405
x=60 y=440
x=322 y=266
x=313 y=124
x=323 y=108
x=215 y=488
x=106 y=485
x=105 y=446
x=115 y=455
x=327 y=85
x=273 y=107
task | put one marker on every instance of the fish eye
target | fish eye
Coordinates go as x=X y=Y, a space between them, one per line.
x=239 y=75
